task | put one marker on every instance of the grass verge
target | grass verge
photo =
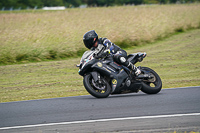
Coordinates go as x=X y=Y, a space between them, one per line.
x=175 y=59
x=53 y=35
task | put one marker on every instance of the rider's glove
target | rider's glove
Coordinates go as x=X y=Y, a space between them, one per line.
x=105 y=53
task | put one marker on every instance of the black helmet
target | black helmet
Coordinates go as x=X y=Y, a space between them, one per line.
x=90 y=38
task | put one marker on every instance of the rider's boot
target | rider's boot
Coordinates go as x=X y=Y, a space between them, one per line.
x=133 y=69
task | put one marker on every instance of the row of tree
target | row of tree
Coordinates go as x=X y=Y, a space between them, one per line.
x=76 y=3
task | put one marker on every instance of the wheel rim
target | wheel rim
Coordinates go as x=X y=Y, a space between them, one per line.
x=98 y=88
x=151 y=82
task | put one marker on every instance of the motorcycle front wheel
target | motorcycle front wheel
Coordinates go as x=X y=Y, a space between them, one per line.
x=98 y=90
x=152 y=85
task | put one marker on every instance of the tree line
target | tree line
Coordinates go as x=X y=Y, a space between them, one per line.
x=15 y=4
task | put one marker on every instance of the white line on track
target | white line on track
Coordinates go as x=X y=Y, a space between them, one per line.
x=101 y=120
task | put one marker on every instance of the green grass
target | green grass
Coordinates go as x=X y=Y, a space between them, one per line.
x=175 y=59
x=35 y=36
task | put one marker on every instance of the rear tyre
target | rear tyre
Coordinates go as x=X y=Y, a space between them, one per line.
x=152 y=85
x=102 y=90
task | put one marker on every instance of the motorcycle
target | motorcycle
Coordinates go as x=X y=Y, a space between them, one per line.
x=102 y=76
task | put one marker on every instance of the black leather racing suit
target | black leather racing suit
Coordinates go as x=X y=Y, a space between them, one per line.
x=120 y=55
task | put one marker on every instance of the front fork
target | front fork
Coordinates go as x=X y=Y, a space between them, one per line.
x=96 y=76
x=97 y=79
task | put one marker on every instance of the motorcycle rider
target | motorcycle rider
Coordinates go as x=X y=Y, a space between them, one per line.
x=92 y=42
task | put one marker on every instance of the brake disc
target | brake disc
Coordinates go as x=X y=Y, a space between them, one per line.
x=152 y=79
x=96 y=85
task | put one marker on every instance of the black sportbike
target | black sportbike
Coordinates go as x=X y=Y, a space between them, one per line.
x=102 y=76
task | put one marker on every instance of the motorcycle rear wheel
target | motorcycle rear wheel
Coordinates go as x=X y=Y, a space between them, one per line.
x=151 y=86
x=93 y=90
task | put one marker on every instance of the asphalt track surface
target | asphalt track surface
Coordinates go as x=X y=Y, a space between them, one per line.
x=176 y=109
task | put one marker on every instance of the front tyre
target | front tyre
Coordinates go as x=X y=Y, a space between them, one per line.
x=151 y=85
x=97 y=90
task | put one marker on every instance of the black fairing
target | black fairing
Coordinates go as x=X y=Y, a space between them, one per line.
x=87 y=67
x=116 y=74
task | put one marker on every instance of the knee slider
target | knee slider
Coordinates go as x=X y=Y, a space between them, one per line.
x=120 y=59
x=117 y=58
